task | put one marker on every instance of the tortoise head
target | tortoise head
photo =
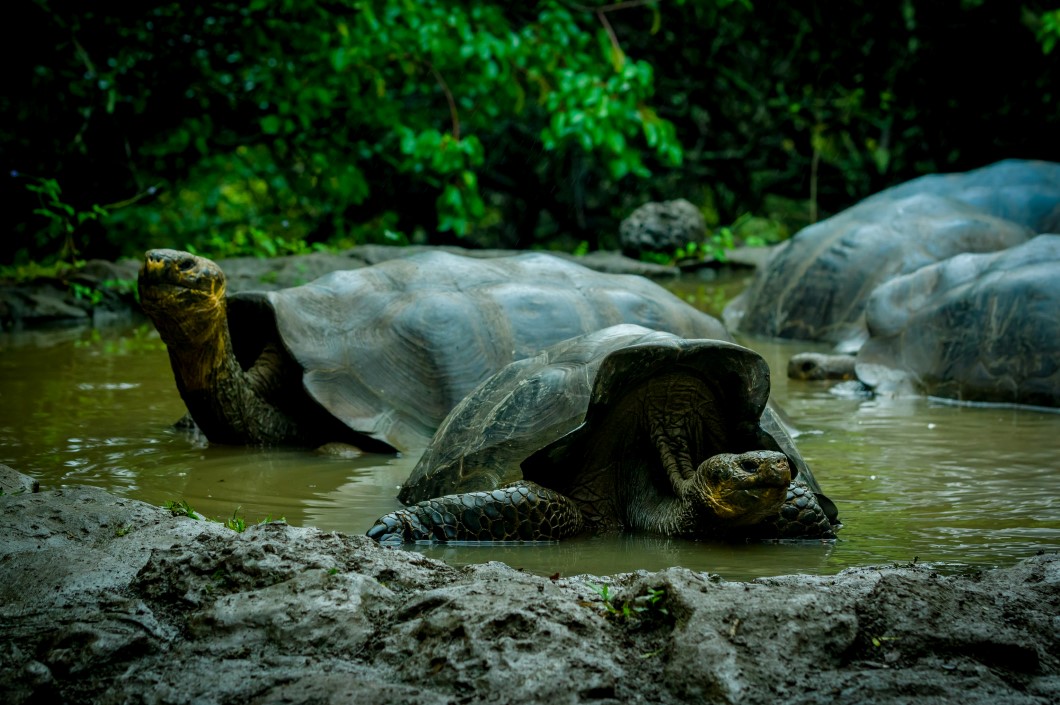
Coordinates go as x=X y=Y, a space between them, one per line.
x=184 y=295
x=744 y=489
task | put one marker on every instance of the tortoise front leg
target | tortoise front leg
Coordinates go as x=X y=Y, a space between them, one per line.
x=521 y=511
x=801 y=517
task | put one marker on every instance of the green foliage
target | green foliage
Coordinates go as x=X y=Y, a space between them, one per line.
x=274 y=124
x=87 y=293
x=1048 y=29
x=236 y=523
x=266 y=128
x=56 y=238
x=36 y=270
x=712 y=249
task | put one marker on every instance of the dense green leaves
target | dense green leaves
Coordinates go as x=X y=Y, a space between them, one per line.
x=272 y=127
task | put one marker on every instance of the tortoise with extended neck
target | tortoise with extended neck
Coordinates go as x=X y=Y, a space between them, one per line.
x=621 y=428
x=377 y=356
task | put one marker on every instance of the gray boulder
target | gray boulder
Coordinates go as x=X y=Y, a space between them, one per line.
x=662 y=227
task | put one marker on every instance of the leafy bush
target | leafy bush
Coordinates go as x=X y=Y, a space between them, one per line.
x=272 y=127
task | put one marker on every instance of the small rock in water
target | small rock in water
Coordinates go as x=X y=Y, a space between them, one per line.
x=340 y=450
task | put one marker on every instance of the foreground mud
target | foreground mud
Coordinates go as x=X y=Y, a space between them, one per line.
x=110 y=600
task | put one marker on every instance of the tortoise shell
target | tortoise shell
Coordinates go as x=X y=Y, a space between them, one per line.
x=816 y=285
x=390 y=349
x=977 y=327
x=532 y=417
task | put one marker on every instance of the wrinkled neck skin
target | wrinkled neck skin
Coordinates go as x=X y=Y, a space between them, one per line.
x=658 y=476
x=706 y=504
x=228 y=404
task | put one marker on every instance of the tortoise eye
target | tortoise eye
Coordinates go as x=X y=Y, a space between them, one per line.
x=186 y=264
x=750 y=466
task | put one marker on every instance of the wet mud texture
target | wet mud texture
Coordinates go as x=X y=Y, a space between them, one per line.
x=110 y=600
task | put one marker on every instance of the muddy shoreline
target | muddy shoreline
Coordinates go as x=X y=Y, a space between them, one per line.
x=110 y=600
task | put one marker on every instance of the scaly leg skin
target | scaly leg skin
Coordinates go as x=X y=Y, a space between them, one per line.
x=801 y=517
x=521 y=511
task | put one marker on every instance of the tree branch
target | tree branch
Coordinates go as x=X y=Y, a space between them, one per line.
x=449 y=97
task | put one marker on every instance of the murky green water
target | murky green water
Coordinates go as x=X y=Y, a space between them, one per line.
x=913 y=478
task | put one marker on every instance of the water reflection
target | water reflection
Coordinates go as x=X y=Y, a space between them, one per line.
x=913 y=478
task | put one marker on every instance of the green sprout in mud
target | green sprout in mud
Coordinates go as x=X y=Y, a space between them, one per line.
x=180 y=508
x=652 y=604
x=238 y=524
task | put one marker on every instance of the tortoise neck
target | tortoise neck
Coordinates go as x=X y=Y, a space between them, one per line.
x=202 y=358
x=211 y=382
x=661 y=512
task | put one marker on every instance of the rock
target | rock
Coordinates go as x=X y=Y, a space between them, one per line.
x=40 y=305
x=14 y=482
x=819 y=366
x=662 y=227
x=976 y=327
x=816 y=285
x=97 y=293
x=109 y=600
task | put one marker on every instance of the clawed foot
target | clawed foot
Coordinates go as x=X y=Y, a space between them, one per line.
x=399 y=527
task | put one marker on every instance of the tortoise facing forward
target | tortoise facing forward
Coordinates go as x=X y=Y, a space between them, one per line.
x=377 y=356
x=620 y=428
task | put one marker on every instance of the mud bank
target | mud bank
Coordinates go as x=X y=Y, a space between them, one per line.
x=110 y=600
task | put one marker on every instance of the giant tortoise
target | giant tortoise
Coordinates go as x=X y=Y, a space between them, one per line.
x=982 y=327
x=377 y=356
x=620 y=428
x=816 y=285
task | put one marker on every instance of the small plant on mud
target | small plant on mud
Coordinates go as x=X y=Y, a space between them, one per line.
x=180 y=508
x=236 y=523
x=647 y=607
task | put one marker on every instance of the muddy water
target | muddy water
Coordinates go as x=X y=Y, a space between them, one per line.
x=913 y=478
